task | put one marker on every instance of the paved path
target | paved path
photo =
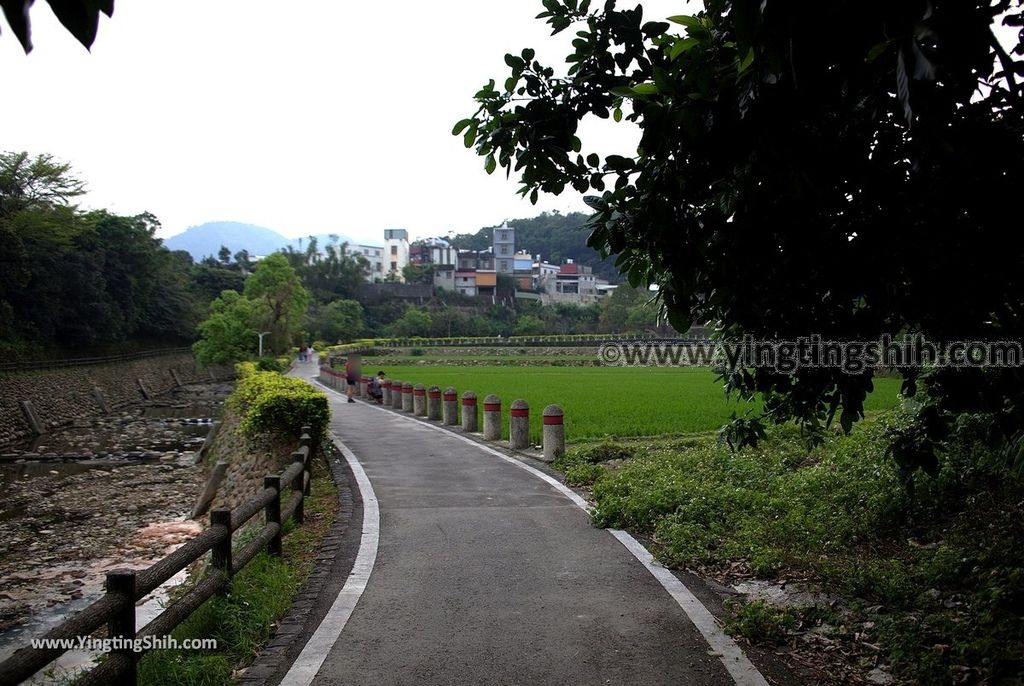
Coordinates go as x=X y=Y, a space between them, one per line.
x=486 y=574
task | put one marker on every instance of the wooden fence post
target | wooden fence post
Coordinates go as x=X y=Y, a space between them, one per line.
x=272 y=513
x=121 y=626
x=306 y=440
x=299 y=486
x=221 y=553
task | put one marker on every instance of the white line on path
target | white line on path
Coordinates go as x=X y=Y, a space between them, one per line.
x=308 y=663
x=736 y=663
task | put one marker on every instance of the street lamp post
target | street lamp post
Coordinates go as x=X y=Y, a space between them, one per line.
x=261 y=335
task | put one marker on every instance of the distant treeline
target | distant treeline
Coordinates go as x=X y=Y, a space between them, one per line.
x=75 y=282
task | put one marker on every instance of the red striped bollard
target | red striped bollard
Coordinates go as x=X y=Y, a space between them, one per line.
x=519 y=425
x=450 y=407
x=434 y=404
x=396 y=395
x=469 y=412
x=407 y=397
x=364 y=385
x=419 y=400
x=492 y=418
x=385 y=388
x=554 y=433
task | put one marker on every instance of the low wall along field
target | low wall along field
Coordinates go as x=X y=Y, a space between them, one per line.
x=62 y=395
x=605 y=401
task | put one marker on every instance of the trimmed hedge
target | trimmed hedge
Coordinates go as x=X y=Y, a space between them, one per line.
x=269 y=402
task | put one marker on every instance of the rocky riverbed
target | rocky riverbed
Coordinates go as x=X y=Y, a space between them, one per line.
x=105 y=493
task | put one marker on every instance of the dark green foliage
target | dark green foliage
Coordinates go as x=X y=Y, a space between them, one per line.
x=942 y=568
x=340 y=321
x=605 y=452
x=329 y=272
x=760 y=622
x=272 y=364
x=240 y=621
x=271 y=403
x=795 y=178
x=80 y=17
x=79 y=279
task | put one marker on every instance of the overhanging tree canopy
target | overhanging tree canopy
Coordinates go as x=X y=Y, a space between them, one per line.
x=80 y=17
x=839 y=168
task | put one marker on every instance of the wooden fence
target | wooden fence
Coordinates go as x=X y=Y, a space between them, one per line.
x=116 y=608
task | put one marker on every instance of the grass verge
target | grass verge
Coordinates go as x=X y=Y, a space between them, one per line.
x=929 y=581
x=261 y=593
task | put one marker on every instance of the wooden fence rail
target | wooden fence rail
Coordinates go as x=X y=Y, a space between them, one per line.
x=116 y=608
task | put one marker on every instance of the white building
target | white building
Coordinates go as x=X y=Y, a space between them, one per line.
x=504 y=245
x=396 y=252
x=374 y=254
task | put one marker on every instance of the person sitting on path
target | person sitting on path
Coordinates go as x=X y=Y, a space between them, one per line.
x=377 y=388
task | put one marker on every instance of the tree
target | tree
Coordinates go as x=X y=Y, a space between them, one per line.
x=35 y=183
x=413 y=322
x=227 y=335
x=80 y=17
x=529 y=325
x=280 y=300
x=794 y=179
x=628 y=310
x=418 y=273
x=340 y=321
x=82 y=280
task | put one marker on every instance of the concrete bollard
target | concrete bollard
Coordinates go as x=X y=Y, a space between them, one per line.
x=434 y=404
x=554 y=433
x=492 y=418
x=396 y=395
x=386 y=389
x=407 y=397
x=469 y=412
x=358 y=390
x=519 y=425
x=450 y=408
x=364 y=387
x=419 y=400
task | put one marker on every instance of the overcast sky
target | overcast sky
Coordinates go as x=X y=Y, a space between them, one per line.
x=302 y=116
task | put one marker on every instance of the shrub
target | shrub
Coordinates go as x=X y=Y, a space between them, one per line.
x=605 y=452
x=272 y=364
x=759 y=622
x=269 y=402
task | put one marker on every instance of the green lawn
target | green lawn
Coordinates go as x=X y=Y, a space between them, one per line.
x=606 y=401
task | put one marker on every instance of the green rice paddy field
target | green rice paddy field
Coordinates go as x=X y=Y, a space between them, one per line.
x=606 y=401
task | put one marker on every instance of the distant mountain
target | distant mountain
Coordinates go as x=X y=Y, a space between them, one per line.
x=206 y=239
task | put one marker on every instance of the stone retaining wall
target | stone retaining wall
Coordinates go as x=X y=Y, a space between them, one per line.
x=248 y=462
x=63 y=395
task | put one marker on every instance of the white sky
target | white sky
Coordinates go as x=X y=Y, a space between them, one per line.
x=310 y=116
